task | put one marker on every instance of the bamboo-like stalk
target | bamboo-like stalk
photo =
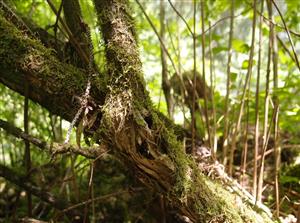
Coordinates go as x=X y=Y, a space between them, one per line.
x=226 y=118
x=203 y=73
x=214 y=142
x=193 y=125
x=266 y=108
x=259 y=180
x=248 y=77
x=276 y=105
x=245 y=146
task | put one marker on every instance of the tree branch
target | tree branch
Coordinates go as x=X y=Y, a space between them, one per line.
x=143 y=141
x=52 y=83
x=55 y=148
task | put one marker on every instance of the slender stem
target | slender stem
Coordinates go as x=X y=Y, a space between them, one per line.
x=248 y=77
x=193 y=125
x=226 y=118
x=245 y=147
x=203 y=73
x=27 y=156
x=276 y=101
x=212 y=87
x=73 y=40
x=158 y=36
x=287 y=32
x=256 y=136
x=185 y=22
x=266 y=105
x=164 y=69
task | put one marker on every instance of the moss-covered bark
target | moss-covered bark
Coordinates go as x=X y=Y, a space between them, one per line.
x=52 y=83
x=142 y=139
x=139 y=135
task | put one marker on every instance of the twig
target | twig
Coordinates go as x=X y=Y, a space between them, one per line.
x=23 y=182
x=73 y=40
x=221 y=20
x=158 y=36
x=30 y=220
x=277 y=25
x=183 y=19
x=55 y=148
x=288 y=33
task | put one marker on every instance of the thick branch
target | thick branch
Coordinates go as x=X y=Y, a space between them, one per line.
x=52 y=83
x=131 y=126
x=142 y=139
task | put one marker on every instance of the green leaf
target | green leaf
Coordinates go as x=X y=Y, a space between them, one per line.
x=245 y=64
x=233 y=76
x=283 y=58
x=240 y=46
x=216 y=37
x=219 y=49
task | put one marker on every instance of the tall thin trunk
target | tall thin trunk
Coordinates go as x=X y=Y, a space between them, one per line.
x=226 y=118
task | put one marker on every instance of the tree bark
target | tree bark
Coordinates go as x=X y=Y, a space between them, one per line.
x=53 y=84
x=149 y=147
x=128 y=123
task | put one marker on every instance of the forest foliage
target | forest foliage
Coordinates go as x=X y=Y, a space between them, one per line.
x=245 y=106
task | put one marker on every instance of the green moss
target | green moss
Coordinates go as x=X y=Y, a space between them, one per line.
x=32 y=56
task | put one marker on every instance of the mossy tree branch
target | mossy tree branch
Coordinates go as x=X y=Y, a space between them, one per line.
x=53 y=84
x=140 y=137
x=129 y=124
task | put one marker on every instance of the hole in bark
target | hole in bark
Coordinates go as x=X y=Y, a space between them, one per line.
x=149 y=121
x=144 y=151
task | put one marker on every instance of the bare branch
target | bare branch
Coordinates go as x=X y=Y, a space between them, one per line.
x=55 y=148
